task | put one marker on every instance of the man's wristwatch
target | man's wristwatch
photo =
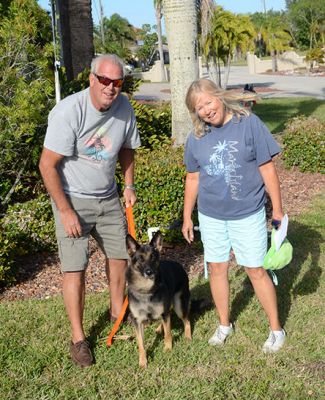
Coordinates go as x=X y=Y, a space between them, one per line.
x=132 y=187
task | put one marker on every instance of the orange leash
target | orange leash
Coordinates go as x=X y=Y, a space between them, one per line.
x=130 y=219
x=131 y=230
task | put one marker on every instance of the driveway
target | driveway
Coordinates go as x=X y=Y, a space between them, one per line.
x=266 y=85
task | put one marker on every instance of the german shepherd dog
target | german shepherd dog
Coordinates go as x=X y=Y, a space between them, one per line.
x=154 y=286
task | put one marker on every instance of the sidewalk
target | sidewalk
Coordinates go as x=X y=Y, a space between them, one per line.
x=266 y=85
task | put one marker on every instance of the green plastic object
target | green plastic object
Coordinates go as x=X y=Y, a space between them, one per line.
x=273 y=259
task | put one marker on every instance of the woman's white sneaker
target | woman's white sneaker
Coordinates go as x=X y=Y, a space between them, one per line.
x=220 y=335
x=274 y=342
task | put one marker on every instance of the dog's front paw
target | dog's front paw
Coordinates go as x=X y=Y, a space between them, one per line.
x=159 y=330
x=168 y=345
x=143 y=362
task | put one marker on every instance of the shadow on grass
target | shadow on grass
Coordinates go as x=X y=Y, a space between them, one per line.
x=306 y=243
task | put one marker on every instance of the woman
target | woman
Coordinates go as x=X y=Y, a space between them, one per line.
x=229 y=165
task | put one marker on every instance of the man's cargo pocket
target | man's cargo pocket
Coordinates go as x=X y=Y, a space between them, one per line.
x=73 y=254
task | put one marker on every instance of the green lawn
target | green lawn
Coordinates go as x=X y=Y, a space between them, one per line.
x=34 y=341
x=277 y=111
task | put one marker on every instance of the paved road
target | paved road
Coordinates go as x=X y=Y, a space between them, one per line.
x=271 y=85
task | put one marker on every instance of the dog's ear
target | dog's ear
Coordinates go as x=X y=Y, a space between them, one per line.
x=131 y=244
x=157 y=241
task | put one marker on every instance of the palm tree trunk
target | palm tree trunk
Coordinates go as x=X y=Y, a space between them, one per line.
x=225 y=83
x=213 y=70
x=274 y=61
x=181 y=28
x=76 y=33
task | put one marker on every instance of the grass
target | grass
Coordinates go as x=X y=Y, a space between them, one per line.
x=34 y=341
x=283 y=109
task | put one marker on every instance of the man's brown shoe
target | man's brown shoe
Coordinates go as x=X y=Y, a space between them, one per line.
x=81 y=354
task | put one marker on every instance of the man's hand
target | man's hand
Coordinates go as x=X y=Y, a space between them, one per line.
x=71 y=223
x=129 y=197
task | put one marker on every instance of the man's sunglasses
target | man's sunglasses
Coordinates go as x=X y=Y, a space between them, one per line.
x=107 y=81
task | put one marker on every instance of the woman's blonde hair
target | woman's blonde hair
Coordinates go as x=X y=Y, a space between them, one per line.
x=230 y=100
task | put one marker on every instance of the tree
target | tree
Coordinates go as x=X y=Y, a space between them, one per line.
x=228 y=33
x=205 y=12
x=275 y=35
x=258 y=21
x=149 y=40
x=307 y=18
x=76 y=33
x=158 y=10
x=181 y=28
x=119 y=35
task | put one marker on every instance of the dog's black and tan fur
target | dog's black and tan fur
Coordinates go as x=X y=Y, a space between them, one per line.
x=154 y=286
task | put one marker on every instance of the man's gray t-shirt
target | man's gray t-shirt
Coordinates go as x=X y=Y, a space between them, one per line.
x=227 y=158
x=90 y=141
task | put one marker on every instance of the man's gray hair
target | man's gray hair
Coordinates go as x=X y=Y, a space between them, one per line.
x=111 y=58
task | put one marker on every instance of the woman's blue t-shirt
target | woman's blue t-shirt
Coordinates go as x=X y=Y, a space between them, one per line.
x=227 y=158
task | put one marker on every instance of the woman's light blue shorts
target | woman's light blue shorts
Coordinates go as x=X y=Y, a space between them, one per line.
x=247 y=237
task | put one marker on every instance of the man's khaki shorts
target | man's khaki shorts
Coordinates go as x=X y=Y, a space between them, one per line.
x=101 y=218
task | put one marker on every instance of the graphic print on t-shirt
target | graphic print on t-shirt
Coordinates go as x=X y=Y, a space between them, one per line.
x=98 y=146
x=222 y=162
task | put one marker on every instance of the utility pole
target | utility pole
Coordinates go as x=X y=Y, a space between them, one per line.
x=101 y=10
x=264 y=5
x=56 y=61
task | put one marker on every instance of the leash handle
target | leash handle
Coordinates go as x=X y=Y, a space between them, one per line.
x=130 y=220
x=131 y=230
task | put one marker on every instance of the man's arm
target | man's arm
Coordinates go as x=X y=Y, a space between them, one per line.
x=272 y=184
x=190 y=196
x=48 y=167
x=126 y=159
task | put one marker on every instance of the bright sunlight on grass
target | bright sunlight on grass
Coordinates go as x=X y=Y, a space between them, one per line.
x=34 y=342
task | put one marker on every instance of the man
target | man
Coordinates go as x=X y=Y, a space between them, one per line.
x=87 y=132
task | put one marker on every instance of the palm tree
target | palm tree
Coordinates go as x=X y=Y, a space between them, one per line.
x=76 y=33
x=228 y=33
x=158 y=10
x=119 y=35
x=181 y=28
x=240 y=35
x=276 y=36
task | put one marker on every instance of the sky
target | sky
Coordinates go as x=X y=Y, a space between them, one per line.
x=139 y=12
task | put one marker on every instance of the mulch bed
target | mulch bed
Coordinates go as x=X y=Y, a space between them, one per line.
x=39 y=275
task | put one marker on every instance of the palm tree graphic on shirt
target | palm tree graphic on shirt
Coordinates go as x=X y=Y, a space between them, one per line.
x=98 y=146
x=223 y=162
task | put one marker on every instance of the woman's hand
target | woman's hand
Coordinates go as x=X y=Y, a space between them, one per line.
x=187 y=231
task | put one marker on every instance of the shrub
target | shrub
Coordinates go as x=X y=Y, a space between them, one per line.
x=154 y=124
x=26 y=228
x=304 y=140
x=160 y=186
x=30 y=225
x=7 y=251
